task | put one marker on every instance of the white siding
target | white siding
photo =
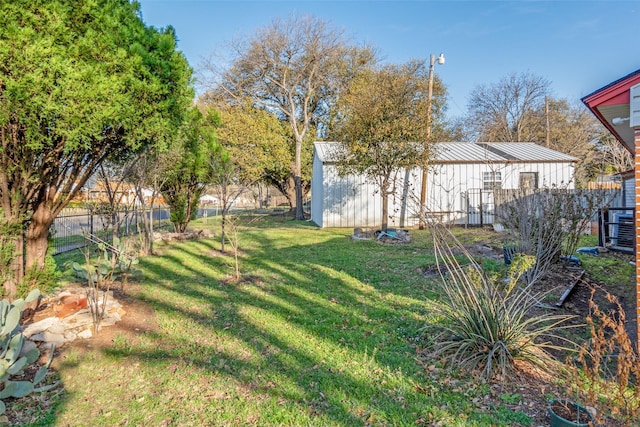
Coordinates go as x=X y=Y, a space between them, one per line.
x=351 y=201
x=626 y=197
x=317 y=172
x=629 y=192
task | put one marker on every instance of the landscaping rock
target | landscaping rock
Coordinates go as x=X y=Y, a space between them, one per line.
x=70 y=318
x=40 y=326
x=187 y=235
x=85 y=334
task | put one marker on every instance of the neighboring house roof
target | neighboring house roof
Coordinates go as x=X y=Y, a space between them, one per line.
x=469 y=152
x=613 y=101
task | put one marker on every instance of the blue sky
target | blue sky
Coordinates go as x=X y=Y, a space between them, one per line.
x=579 y=46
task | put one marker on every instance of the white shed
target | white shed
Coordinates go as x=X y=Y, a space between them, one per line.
x=460 y=181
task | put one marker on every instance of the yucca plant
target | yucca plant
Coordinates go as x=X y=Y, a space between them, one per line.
x=487 y=322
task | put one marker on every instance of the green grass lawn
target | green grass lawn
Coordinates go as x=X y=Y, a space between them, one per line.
x=321 y=331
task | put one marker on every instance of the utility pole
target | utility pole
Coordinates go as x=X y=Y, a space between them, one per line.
x=546 y=113
x=427 y=140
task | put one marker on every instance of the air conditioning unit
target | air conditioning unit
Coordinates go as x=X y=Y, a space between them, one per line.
x=623 y=227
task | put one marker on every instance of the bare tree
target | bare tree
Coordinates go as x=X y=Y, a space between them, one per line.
x=293 y=68
x=611 y=156
x=119 y=198
x=506 y=111
x=571 y=129
x=518 y=108
x=547 y=222
x=148 y=178
x=533 y=220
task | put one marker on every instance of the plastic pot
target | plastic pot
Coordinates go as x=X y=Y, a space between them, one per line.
x=580 y=416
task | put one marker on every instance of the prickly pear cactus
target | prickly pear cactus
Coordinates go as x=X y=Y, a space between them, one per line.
x=12 y=361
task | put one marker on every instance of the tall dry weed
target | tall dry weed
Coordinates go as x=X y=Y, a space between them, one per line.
x=607 y=369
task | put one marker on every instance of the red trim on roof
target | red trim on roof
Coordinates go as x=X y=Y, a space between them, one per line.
x=614 y=93
x=621 y=98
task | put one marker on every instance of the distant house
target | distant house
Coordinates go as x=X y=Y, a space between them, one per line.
x=460 y=183
x=125 y=194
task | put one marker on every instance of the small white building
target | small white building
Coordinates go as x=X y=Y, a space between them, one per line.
x=460 y=182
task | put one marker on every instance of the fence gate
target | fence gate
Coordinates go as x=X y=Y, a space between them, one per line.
x=480 y=208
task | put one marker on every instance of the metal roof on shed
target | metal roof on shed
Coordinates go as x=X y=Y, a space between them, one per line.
x=469 y=152
x=326 y=151
x=466 y=152
x=527 y=152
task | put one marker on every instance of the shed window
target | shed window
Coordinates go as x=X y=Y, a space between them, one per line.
x=528 y=180
x=491 y=181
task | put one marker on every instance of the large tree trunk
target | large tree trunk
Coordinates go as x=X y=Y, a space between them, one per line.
x=297 y=177
x=298 y=191
x=286 y=188
x=12 y=225
x=290 y=194
x=189 y=213
x=37 y=237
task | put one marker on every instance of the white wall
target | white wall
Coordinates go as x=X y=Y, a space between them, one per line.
x=317 y=192
x=351 y=201
x=448 y=184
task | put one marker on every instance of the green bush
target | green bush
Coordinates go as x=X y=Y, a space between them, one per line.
x=487 y=322
x=43 y=278
x=9 y=232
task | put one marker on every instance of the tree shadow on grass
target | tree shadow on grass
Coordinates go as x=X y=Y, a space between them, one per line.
x=317 y=338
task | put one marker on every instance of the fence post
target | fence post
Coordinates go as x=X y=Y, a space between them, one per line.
x=466 y=195
x=481 y=210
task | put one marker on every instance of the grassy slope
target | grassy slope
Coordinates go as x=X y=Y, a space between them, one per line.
x=324 y=333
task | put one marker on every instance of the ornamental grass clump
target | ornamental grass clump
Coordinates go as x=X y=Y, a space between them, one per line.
x=488 y=324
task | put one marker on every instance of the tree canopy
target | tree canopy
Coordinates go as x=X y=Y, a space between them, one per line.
x=188 y=168
x=257 y=141
x=570 y=129
x=261 y=147
x=383 y=124
x=294 y=68
x=80 y=82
